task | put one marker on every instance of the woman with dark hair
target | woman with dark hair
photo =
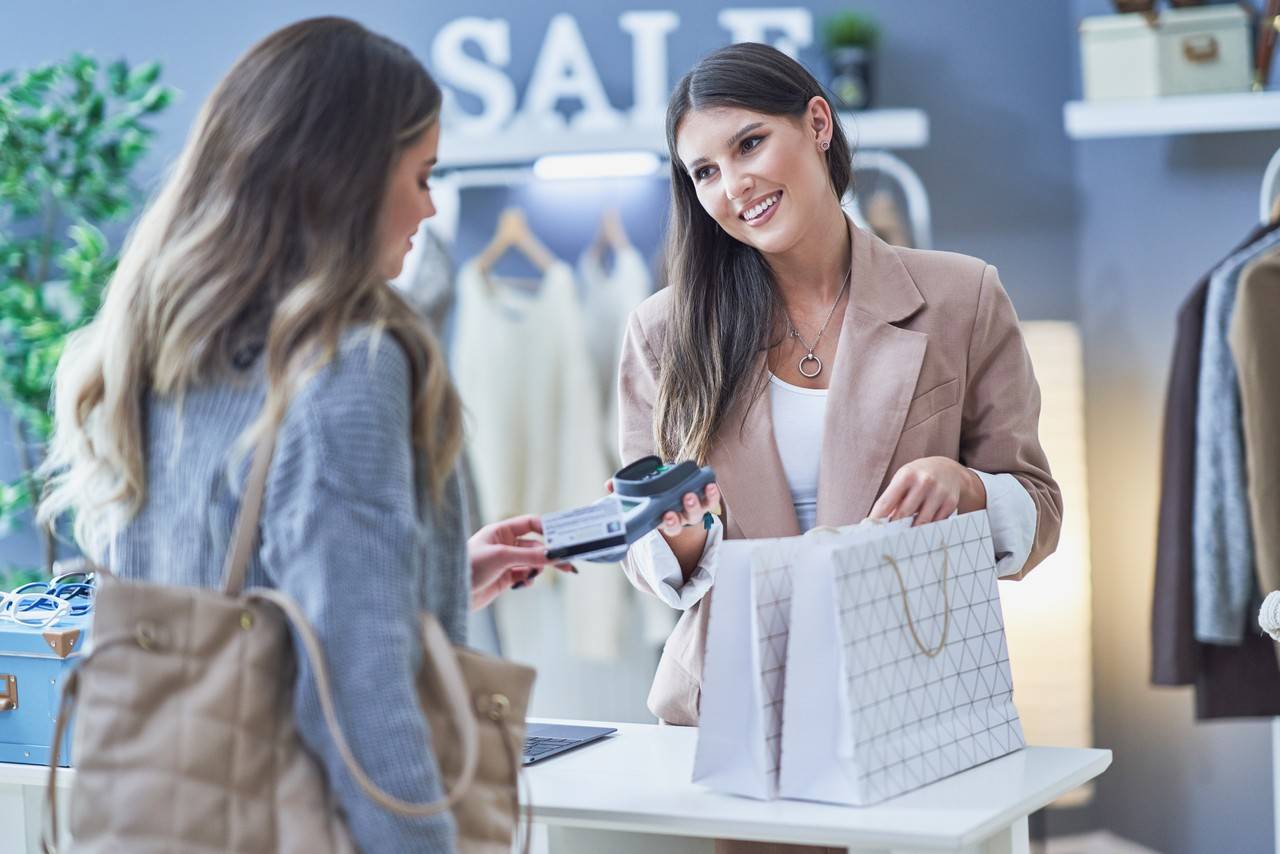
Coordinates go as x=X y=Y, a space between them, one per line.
x=252 y=296
x=826 y=375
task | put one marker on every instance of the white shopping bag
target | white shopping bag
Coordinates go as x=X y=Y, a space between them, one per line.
x=898 y=673
x=741 y=709
x=730 y=754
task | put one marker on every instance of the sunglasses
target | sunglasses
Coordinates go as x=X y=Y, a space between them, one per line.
x=40 y=604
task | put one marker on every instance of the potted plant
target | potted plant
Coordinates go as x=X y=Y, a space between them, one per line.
x=71 y=134
x=850 y=39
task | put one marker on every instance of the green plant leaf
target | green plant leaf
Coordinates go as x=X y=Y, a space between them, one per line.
x=850 y=29
x=96 y=109
x=88 y=239
x=71 y=134
x=118 y=77
x=83 y=68
x=144 y=76
x=156 y=99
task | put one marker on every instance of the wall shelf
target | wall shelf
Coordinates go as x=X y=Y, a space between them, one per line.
x=517 y=144
x=1225 y=113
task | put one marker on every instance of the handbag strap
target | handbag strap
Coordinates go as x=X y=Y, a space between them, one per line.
x=906 y=606
x=66 y=704
x=244 y=536
x=244 y=539
x=456 y=698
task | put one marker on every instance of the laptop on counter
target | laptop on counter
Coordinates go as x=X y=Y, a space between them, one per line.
x=544 y=740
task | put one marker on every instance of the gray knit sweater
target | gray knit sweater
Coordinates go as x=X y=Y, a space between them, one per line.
x=344 y=532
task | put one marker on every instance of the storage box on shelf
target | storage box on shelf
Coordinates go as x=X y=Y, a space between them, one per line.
x=1177 y=52
x=33 y=664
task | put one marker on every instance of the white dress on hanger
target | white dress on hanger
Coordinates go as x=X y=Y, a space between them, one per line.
x=608 y=298
x=536 y=435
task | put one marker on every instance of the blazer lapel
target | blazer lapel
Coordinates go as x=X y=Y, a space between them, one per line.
x=873 y=381
x=749 y=471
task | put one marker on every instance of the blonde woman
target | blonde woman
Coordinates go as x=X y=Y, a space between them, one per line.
x=254 y=289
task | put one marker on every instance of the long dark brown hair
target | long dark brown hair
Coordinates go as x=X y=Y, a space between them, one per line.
x=269 y=219
x=723 y=299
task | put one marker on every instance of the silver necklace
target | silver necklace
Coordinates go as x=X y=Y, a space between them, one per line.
x=810 y=357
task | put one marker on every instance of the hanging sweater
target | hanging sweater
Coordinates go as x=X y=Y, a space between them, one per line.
x=344 y=534
x=1222 y=535
x=533 y=414
x=536 y=430
x=608 y=298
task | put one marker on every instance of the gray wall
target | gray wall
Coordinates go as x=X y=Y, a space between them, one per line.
x=1109 y=233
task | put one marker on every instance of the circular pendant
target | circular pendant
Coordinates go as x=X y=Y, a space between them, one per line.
x=811 y=358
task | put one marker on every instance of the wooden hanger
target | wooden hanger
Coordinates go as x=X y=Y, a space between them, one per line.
x=513 y=232
x=611 y=235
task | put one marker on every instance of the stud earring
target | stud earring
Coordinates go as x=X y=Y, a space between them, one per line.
x=825 y=145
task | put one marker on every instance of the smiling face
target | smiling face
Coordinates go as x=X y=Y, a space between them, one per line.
x=408 y=201
x=762 y=178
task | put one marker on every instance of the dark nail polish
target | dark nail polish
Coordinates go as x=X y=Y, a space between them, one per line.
x=574 y=570
x=517 y=585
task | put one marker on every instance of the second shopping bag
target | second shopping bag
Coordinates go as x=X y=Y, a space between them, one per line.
x=742 y=706
x=898 y=674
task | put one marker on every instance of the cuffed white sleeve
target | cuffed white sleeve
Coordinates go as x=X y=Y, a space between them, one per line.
x=654 y=561
x=1012 y=515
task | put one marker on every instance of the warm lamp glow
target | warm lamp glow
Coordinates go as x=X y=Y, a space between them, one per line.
x=1047 y=614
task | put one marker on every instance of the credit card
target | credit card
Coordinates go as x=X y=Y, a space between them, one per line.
x=586 y=529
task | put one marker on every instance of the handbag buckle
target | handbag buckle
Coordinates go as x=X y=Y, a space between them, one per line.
x=149 y=636
x=495 y=707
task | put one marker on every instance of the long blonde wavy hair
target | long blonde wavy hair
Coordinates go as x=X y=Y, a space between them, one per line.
x=267 y=227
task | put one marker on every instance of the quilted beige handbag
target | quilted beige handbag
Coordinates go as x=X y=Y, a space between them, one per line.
x=184 y=731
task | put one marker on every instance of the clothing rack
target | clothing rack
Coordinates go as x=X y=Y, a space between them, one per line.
x=918 y=210
x=449 y=187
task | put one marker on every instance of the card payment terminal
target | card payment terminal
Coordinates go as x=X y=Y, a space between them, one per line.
x=642 y=493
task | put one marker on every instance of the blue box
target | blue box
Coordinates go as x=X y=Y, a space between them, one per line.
x=33 y=664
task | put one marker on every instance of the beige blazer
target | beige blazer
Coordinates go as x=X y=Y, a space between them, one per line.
x=1256 y=349
x=930 y=362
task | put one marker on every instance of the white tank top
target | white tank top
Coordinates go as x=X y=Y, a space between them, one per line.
x=798 y=417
